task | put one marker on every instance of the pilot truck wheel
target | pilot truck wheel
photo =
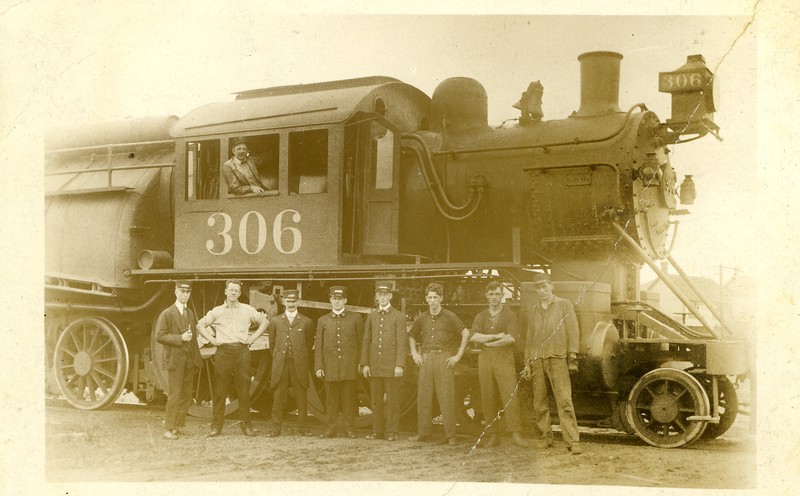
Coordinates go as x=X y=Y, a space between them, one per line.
x=660 y=407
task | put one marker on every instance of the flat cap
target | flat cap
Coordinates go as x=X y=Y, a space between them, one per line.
x=238 y=141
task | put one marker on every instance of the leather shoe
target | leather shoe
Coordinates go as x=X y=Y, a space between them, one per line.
x=576 y=449
x=274 y=433
x=391 y=436
x=420 y=437
x=373 y=436
x=543 y=443
x=214 y=432
x=247 y=431
x=517 y=437
x=350 y=434
x=328 y=434
x=183 y=431
x=170 y=435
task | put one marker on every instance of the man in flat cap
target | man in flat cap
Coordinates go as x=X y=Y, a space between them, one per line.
x=336 y=354
x=241 y=173
x=227 y=327
x=495 y=332
x=443 y=340
x=175 y=330
x=552 y=350
x=291 y=336
x=383 y=360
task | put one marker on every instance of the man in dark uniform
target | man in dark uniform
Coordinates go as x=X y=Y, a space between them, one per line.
x=227 y=327
x=290 y=338
x=383 y=358
x=336 y=353
x=495 y=332
x=440 y=333
x=174 y=329
x=551 y=352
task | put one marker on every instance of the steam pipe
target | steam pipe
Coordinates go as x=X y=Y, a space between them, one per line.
x=124 y=310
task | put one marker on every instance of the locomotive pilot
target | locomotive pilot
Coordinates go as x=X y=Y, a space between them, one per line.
x=383 y=357
x=174 y=329
x=336 y=353
x=231 y=321
x=241 y=173
x=495 y=332
x=443 y=340
x=551 y=351
x=291 y=336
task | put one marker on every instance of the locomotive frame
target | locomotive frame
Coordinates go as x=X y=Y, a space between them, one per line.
x=373 y=180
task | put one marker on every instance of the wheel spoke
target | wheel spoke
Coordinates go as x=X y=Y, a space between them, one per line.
x=680 y=394
x=68 y=352
x=98 y=380
x=104 y=372
x=683 y=427
x=72 y=379
x=102 y=360
x=94 y=339
x=90 y=386
x=101 y=347
x=75 y=341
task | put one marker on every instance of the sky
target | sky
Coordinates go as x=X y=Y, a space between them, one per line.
x=83 y=61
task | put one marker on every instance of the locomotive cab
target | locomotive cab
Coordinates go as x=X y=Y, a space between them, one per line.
x=331 y=176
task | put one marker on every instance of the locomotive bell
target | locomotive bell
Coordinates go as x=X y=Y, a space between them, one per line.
x=530 y=104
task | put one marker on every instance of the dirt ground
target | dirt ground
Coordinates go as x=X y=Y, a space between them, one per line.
x=124 y=444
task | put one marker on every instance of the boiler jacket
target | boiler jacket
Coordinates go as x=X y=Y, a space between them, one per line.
x=299 y=335
x=385 y=344
x=337 y=345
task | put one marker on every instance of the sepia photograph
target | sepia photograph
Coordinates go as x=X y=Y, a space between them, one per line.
x=485 y=250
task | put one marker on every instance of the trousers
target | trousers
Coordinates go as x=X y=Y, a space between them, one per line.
x=281 y=391
x=340 y=398
x=385 y=414
x=231 y=366
x=555 y=369
x=181 y=379
x=498 y=382
x=436 y=377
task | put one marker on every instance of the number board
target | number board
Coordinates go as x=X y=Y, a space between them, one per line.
x=683 y=82
x=257 y=232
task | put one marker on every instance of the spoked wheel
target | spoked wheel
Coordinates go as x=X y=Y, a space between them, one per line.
x=91 y=363
x=660 y=406
x=728 y=406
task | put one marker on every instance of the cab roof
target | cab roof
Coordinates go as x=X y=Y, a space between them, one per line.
x=299 y=105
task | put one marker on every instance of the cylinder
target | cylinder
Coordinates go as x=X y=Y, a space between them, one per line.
x=599 y=83
x=150 y=259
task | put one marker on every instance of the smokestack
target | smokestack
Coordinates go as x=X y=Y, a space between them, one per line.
x=599 y=83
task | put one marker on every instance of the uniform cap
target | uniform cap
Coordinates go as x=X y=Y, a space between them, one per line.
x=183 y=285
x=384 y=287
x=291 y=294
x=541 y=278
x=340 y=291
x=238 y=141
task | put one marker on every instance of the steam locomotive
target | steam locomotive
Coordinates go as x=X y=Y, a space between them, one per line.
x=371 y=179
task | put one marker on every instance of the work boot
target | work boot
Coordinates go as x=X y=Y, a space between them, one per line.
x=576 y=449
x=170 y=434
x=543 y=443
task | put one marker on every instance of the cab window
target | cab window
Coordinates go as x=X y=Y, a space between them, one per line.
x=202 y=170
x=257 y=165
x=308 y=162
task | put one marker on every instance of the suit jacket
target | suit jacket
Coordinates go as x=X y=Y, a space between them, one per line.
x=385 y=342
x=300 y=334
x=169 y=327
x=337 y=347
x=237 y=182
